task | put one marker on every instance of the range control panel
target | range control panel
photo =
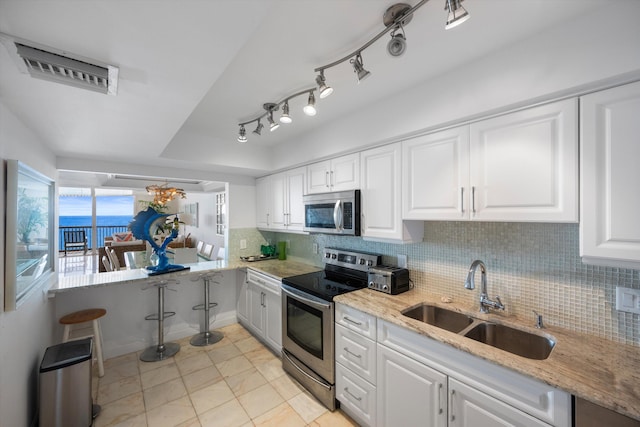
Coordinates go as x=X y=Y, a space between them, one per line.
x=354 y=260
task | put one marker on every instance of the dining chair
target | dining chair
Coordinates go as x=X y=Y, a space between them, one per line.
x=106 y=263
x=207 y=252
x=113 y=257
x=200 y=246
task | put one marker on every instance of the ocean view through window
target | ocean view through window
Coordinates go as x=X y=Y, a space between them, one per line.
x=114 y=210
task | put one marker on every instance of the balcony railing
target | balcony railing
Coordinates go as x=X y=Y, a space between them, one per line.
x=102 y=232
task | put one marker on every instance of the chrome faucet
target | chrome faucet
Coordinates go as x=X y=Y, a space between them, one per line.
x=485 y=302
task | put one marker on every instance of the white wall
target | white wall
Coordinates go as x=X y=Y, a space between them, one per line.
x=27 y=332
x=242 y=206
x=594 y=47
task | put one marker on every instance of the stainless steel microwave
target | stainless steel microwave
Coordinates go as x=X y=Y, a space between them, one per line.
x=333 y=213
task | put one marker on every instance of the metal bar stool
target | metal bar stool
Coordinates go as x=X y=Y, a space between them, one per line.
x=84 y=316
x=162 y=350
x=206 y=337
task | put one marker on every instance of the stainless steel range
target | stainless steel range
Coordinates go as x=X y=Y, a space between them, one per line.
x=308 y=316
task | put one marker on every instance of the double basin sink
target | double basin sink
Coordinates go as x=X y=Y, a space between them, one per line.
x=512 y=340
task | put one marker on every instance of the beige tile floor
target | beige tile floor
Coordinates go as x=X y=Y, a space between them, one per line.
x=235 y=382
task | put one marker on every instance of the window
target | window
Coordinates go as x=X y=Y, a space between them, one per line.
x=220 y=213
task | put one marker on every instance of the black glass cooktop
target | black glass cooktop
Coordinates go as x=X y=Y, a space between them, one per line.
x=327 y=284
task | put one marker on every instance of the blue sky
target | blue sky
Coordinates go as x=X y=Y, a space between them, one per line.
x=105 y=205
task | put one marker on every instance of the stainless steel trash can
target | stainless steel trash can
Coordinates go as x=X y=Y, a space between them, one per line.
x=65 y=385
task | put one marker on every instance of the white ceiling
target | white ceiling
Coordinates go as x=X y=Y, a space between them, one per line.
x=191 y=70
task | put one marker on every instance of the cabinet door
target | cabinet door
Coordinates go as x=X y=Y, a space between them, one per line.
x=262 y=202
x=408 y=392
x=278 y=205
x=345 y=173
x=524 y=165
x=318 y=177
x=256 y=308
x=435 y=176
x=273 y=319
x=295 y=206
x=609 y=226
x=242 y=306
x=469 y=407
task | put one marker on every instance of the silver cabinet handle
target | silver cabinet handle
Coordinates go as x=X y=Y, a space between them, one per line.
x=352 y=321
x=473 y=200
x=359 y=356
x=332 y=181
x=440 y=398
x=346 y=390
x=462 y=199
x=453 y=417
x=267 y=220
x=326 y=179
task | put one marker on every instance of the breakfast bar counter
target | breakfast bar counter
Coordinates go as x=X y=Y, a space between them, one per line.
x=596 y=369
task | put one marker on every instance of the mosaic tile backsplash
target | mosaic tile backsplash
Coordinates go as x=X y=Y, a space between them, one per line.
x=531 y=266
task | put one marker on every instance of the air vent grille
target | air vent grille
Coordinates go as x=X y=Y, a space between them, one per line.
x=61 y=69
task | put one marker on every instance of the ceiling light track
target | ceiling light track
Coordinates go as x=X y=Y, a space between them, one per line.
x=394 y=19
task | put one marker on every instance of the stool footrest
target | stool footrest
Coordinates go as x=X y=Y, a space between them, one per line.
x=156 y=316
x=202 y=306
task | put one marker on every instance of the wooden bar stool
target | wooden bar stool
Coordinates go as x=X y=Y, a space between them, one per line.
x=206 y=337
x=84 y=316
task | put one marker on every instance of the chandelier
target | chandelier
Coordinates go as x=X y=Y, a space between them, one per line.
x=163 y=193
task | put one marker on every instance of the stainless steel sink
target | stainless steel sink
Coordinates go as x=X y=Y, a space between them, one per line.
x=514 y=341
x=449 y=320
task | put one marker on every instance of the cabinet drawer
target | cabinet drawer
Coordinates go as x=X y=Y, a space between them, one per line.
x=357 y=397
x=355 y=320
x=356 y=353
x=263 y=280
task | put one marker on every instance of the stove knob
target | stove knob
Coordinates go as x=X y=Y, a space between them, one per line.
x=327 y=255
x=334 y=256
x=369 y=263
x=362 y=261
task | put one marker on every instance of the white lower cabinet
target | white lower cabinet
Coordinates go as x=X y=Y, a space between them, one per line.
x=409 y=393
x=469 y=407
x=260 y=308
x=419 y=381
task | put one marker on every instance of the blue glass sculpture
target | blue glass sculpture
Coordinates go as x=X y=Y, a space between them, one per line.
x=141 y=227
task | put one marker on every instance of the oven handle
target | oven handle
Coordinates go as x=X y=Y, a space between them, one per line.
x=292 y=292
x=304 y=373
x=337 y=215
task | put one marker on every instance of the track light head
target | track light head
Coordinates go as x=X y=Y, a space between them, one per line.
x=310 y=108
x=358 y=68
x=323 y=89
x=398 y=43
x=242 y=135
x=285 y=118
x=258 y=129
x=457 y=14
x=271 y=107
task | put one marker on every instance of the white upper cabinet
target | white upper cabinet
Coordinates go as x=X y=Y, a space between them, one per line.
x=524 y=165
x=339 y=174
x=521 y=166
x=610 y=150
x=287 y=209
x=436 y=175
x=263 y=197
x=381 y=197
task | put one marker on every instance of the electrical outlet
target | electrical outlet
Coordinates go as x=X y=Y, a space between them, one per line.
x=288 y=245
x=315 y=248
x=243 y=243
x=402 y=261
x=628 y=299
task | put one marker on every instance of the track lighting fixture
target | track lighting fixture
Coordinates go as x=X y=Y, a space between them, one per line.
x=242 y=135
x=258 y=128
x=323 y=89
x=358 y=68
x=310 y=108
x=395 y=18
x=285 y=117
x=457 y=14
x=398 y=43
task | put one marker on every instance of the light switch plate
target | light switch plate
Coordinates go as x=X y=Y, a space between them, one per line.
x=243 y=244
x=628 y=299
x=402 y=261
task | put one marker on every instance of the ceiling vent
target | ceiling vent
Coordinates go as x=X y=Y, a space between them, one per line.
x=43 y=63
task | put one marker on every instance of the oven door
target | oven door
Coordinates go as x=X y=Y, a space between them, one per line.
x=307 y=330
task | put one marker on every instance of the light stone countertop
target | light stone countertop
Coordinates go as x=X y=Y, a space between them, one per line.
x=601 y=371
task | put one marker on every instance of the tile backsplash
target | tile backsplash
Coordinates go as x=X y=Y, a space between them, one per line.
x=531 y=266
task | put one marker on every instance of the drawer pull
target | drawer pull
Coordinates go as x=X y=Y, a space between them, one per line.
x=352 y=321
x=346 y=390
x=359 y=356
x=451 y=405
